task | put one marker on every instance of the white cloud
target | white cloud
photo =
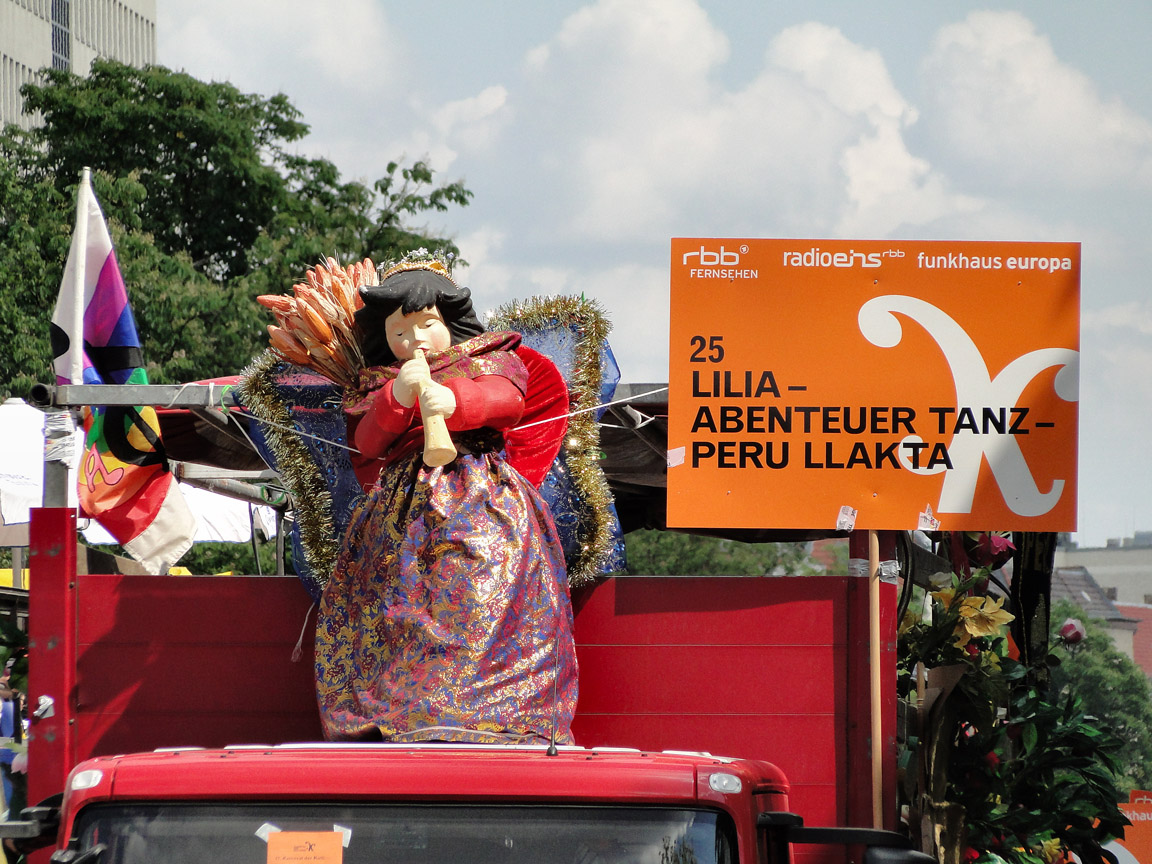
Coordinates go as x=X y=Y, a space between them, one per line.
x=473 y=124
x=627 y=125
x=1115 y=416
x=1133 y=318
x=1003 y=103
x=1117 y=343
x=269 y=44
x=339 y=63
x=621 y=123
x=886 y=186
x=855 y=80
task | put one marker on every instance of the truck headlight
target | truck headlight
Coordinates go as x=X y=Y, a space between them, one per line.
x=724 y=783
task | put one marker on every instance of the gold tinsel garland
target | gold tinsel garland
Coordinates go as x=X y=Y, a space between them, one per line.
x=299 y=471
x=302 y=476
x=586 y=320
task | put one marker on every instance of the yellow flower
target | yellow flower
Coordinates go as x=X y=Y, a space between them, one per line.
x=909 y=620
x=983 y=616
x=944 y=596
x=1052 y=850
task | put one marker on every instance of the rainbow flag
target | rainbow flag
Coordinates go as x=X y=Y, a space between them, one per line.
x=124 y=482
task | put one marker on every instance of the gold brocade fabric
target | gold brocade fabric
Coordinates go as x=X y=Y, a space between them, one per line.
x=447 y=616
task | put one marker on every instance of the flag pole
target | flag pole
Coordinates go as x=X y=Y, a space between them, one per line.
x=59 y=425
x=79 y=265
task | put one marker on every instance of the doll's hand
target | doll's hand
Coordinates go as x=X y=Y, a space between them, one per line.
x=412 y=377
x=437 y=399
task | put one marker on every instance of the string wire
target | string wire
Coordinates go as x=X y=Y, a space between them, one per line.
x=351 y=449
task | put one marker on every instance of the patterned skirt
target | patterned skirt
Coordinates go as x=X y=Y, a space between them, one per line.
x=447 y=616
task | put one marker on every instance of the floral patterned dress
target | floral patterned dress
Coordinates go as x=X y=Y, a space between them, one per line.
x=447 y=616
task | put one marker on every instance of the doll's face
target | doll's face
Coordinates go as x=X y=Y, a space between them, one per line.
x=423 y=329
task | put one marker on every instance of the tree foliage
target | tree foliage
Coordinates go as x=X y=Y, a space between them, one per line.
x=669 y=553
x=1112 y=688
x=207 y=205
x=997 y=767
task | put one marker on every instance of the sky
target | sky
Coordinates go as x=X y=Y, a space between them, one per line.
x=592 y=133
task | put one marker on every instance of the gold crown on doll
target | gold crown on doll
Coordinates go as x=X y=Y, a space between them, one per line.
x=440 y=262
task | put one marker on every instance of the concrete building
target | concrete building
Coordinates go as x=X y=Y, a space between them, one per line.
x=68 y=34
x=1076 y=584
x=1142 y=637
x=1122 y=569
x=1114 y=584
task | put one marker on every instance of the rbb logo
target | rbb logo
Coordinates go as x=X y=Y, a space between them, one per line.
x=712 y=259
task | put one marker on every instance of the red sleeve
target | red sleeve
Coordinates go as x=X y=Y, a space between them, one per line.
x=487 y=400
x=384 y=422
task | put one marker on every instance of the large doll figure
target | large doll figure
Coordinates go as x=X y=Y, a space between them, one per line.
x=447 y=616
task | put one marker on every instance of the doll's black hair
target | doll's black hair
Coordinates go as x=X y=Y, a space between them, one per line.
x=410 y=291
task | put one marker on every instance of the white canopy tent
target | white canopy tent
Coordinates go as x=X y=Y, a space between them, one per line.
x=219 y=517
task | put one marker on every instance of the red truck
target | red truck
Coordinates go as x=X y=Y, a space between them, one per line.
x=430 y=804
x=776 y=671
x=773 y=669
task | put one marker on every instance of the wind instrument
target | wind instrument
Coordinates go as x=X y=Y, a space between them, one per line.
x=438 y=447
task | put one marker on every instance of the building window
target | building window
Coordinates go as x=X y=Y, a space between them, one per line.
x=61 y=35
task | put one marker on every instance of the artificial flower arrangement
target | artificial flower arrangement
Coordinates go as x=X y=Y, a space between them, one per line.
x=994 y=769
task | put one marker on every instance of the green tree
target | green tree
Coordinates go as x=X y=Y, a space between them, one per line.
x=207 y=155
x=998 y=767
x=206 y=206
x=35 y=232
x=1112 y=688
x=204 y=559
x=670 y=553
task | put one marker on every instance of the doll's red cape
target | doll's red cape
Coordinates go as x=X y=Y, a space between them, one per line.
x=532 y=446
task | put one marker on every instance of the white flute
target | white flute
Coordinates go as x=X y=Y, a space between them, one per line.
x=438 y=447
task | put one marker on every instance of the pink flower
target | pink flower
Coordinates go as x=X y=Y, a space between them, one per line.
x=1072 y=631
x=990 y=549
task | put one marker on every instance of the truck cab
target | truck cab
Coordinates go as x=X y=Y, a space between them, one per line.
x=430 y=804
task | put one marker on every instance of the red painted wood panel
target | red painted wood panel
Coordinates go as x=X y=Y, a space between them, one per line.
x=51 y=648
x=769 y=668
x=183 y=661
x=653 y=673
x=761 y=668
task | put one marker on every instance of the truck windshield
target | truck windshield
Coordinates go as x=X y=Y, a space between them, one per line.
x=359 y=834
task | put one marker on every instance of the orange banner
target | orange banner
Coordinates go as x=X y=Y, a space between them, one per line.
x=821 y=384
x=1136 y=846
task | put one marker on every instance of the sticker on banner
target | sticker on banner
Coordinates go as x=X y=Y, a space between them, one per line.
x=927 y=521
x=846 y=520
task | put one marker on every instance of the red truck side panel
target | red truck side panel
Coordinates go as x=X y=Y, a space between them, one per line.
x=772 y=668
x=175 y=661
x=51 y=648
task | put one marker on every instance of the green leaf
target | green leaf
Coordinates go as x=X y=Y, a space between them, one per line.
x=1029 y=736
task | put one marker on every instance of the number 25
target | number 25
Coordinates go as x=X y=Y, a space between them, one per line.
x=712 y=345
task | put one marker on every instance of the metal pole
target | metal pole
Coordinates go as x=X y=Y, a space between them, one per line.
x=874 y=666
x=79 y=267
x=58 y=428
